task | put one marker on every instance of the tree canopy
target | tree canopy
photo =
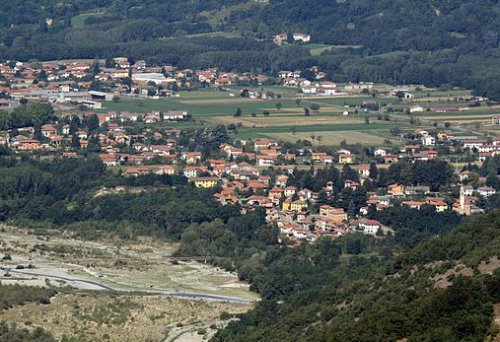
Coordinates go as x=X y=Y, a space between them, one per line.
x=390 y=41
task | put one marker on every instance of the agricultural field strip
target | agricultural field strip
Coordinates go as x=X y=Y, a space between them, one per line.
x=332 y=138
x=314 y=128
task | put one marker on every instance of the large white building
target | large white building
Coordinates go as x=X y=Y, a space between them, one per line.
x=305 y=38
x=145 y=78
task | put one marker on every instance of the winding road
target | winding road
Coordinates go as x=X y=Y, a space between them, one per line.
x=104 y=287
x=83 y=281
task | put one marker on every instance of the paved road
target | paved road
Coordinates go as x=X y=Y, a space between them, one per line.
x=166 y=293
x=209 y=296
x=83 y=281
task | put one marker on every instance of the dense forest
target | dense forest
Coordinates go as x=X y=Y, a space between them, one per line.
x=426 y=42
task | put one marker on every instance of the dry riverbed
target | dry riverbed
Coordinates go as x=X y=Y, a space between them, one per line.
x=120 y=291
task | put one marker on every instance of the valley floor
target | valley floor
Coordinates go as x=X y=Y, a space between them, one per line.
x=118 y=291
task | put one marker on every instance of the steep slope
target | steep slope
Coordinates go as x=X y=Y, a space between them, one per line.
x=378 y=297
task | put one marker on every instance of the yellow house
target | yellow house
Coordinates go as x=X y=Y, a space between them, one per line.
x=346 y=158
x=396 y=189
x=286 y=204
x=298 y=205
x=192 y=157
x=442 y=136
x=205 y=182
x=317 y=157
x=337 y=215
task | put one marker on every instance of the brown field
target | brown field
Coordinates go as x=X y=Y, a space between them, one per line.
x=460 y=165
x=284 y=120
x=221 y=101
x=329 y=97
x=464 y=117
x=102 y=317
x=68 y=61
x=442 y=98
x=300 y=110
x=332 y=138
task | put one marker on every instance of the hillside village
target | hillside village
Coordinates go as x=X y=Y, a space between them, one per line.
x=305 y=191
x=249 y=170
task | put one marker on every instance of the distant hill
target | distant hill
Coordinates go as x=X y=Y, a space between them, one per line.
x=432 y=42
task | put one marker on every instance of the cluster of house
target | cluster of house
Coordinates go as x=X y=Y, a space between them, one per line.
x=112 y=118
x=291 y=208
x=419 y=109
x=241 y=171
x=60 y=137
x=486 y=147
x=318 y=87
x=74 y=82
x=285 y=38
x=295 y=79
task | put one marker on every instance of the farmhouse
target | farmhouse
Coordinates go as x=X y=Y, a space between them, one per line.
x=175 y=115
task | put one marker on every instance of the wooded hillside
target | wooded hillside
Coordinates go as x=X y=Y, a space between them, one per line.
x=428 y=42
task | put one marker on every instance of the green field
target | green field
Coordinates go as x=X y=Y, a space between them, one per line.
x=376 y=130
x=463 y=114
x=282 y=90
x=351 y=100
x=214 y=102
x=476 y=120
x=208 y=102
x=439 y=93
x=79 y=20
x=373 y=137
x=223 y=107
x=211 y=107
x=317 y=49
x=466 y=120
x=208 y=35
x=215 y=17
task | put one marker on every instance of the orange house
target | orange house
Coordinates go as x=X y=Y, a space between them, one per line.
x=29 y=144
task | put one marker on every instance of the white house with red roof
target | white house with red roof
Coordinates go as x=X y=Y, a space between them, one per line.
x=369 y=226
